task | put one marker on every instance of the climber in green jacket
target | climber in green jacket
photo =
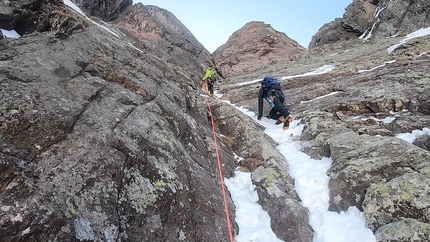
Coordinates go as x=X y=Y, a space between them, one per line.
x=209 y=80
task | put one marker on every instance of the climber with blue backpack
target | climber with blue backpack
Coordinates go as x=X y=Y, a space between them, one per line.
x=271 y=91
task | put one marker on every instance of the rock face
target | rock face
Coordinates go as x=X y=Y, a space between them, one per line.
x=25 y=16
x=150 y=23
x=101 y=141
x=375 y=19
x=104 y=136
x=253 y=47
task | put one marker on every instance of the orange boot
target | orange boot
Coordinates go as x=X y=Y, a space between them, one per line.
x=280 y=120
x=287 y=122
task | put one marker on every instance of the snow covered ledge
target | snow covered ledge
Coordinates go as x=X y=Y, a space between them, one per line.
x=10 y=33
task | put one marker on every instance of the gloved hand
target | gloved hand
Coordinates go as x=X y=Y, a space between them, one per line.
x=259 y=117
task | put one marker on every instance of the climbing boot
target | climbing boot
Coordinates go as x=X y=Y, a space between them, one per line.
x=287 y=122
x=280 y=120
x=286 y=125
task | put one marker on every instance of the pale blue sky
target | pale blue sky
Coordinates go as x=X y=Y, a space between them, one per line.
x=213 y=22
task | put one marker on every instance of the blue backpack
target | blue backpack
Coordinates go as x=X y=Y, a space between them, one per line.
x=271 y=87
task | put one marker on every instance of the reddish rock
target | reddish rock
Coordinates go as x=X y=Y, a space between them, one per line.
x=254 y=46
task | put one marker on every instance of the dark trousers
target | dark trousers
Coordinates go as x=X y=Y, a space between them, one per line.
x=279 y=110
x=210 y=85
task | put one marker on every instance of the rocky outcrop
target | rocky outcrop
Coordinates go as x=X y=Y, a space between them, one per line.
x=360 y=160
x=26 y=16
x=103 y=9
x=401 y=17
x=254 y=46
x=374 y=19
x=150 y=24
x=405 y=229
x=406 y=196
x=331 y=33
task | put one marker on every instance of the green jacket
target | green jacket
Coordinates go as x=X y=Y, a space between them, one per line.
x=210 y=73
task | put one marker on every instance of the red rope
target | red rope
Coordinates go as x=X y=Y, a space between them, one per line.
x=221 y=178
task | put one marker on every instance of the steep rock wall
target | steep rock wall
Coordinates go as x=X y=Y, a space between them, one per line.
x=374 y=19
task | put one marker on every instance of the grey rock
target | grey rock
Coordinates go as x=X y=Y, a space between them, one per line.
x=26 y=16
x=400 y=17
x=146 y=25
x=361 y=160
x=423 y=141
x=406 y=196
x=98 y=141
x=103 y=9
x=404 y=230
x=330 y=33
x=374 y=19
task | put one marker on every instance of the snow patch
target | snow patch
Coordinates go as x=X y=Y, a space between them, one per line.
x=416 y=34
x=10 y=33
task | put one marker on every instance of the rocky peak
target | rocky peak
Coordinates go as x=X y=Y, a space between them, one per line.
x=374 y=18
x=254 y=46
x=151 y=23
x=170 y=22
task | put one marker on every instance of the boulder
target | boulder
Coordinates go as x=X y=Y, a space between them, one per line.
x=423 y=141
x=406 y=196
x=405 y=229
x=361 y=160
